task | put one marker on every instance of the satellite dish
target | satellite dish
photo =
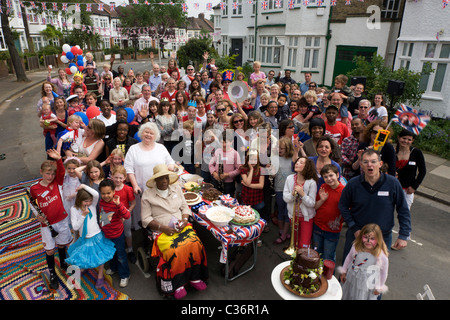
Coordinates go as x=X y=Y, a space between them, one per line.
x=237 y=91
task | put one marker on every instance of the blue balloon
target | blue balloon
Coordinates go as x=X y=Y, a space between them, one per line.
x=69 y=55
x=137 y=137
x=83 y=116
x=130 y=114
x=72 y=65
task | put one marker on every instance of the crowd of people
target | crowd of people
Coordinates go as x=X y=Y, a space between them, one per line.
x=304 y=156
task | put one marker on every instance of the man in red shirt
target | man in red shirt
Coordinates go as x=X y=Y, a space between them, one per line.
x=336 y=129
x=48 y=199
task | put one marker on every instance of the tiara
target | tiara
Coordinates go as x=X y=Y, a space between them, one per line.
x=192 y=103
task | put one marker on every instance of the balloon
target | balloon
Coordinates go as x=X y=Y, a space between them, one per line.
x=137 y=137
x=92 y=112
x=63 y=53
x=66 y=48
x=74 y=50
x=80 y=51
x=130 y=114
x=72 y=65
x=73 y=69
x=64 y=59
x=83 y=117
x=68 y=71
x=70 y=55
x=80 y=68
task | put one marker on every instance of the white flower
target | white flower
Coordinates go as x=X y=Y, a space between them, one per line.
x=287 y=282
x=312 y=275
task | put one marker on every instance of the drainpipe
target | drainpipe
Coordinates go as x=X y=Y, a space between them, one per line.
x=328 y=37
x=256 y=31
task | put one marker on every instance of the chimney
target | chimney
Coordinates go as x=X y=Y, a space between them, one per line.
x=201 y=16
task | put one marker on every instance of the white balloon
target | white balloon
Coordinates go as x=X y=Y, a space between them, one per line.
x=64 y=59
x=78 y=46
x=73 y=69
x=66 y=48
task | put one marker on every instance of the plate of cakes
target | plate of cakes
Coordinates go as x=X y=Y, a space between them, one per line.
x=245 y=215
x=303 y=276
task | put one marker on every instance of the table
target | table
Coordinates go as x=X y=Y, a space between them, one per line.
x=241 y=236
x=334 y=291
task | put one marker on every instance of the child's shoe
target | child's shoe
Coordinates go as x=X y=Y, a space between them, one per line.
x=198 y=285
x=180 y=293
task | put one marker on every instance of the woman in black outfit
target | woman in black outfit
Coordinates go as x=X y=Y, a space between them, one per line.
x=410 y=164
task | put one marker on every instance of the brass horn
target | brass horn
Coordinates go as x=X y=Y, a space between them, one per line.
x=291 y=248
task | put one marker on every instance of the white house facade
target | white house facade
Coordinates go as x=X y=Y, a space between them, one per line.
x=425 y=38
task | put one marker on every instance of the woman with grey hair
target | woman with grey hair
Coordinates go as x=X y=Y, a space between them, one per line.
x=140 y=160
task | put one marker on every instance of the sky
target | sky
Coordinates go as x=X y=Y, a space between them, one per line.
x=190 y=3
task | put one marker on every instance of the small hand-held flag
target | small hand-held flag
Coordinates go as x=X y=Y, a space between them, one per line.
x=410 y=119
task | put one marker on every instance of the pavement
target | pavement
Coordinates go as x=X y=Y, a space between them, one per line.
x=436 y=185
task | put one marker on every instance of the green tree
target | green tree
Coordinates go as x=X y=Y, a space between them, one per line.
x=378 y=76
x=192 y=52
x=50 y=32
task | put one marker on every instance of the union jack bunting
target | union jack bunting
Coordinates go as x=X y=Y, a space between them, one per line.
x=209 y=6
x=112 y=6
x=278 y=3
x=135 y=2
x=44 y=5
x=264 y=5
x=234 y=5
x=100 y=7
x=250 y=1
x=444 y=4
x=77 y=7
x=184 y=7
x=196 y=5
x=291 y=4
x=348 y=2
x=305 y=2
x=64 y=7
x=33 y=5
x=222 y=5
x=89 y=7
x=319 y=3
x=333 y=3
x=54 y=6
x=410 y=119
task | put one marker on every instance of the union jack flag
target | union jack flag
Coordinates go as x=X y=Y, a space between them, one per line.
x=8 y=3
x=333 y=3
x=196 y=5
x=33 y=5
x=291 y=4
x=348 y=2
x=89 y=7
x=44 y=5
x=410 y=119
x=184 y=7
x=444 y=4
x=278 y=3
x=264 y=5
x=112 y=6
x=54 y=6
x=319 y=3
x=250 y=1
x=209 y=6
x=228 y=75
x=100 y=7
x=305 y=2
x=135 y=2
x=234 y=5
x=64 y=7
x=77 y=7
x=222 y=5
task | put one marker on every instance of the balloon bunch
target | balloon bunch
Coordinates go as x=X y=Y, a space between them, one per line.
x=74 y=57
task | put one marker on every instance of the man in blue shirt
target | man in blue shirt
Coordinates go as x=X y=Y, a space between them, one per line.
x=155 y=78
x=305 y=85
x=205 y=82
x=373 y=197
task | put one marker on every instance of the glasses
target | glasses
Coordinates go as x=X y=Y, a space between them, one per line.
x=220 y=110
x=190 y=69
x=312 y=86
x=366 y=162
x=238 y=121
x=364 y=107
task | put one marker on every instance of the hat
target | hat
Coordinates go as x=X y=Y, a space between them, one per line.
x=159 y=171
x=192 y=103
x=227 y=76
x=71 y=97
x=332 y=106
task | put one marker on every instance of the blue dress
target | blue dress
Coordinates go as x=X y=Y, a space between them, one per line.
x=87 y=253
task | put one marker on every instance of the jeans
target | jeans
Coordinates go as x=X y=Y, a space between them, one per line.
x=282 y=207
x=325 y=243
x=119 y=262
x=258 y=206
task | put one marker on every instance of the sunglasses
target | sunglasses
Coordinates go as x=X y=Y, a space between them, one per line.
x=220 y=110
x=238 y=121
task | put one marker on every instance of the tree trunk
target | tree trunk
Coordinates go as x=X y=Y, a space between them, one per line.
x=27 y=30
x=14 y=54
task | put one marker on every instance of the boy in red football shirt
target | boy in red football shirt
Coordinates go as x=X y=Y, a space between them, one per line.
x=49 y=200
x=328 y=220
x=112 y=212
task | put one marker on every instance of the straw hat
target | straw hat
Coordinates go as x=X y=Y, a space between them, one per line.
x=159 y=171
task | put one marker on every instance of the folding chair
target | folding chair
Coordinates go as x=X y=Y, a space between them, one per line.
x=427 y=293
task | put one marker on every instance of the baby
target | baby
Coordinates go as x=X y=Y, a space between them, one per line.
x=48 y=119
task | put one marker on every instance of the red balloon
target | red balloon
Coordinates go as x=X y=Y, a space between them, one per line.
x=80 y=52
x=74 y=50
x=92 y=112
x=63 y=53
x=80 y=68
x=68 y=71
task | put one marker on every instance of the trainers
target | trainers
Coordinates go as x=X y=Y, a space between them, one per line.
x=198 y=285
x=110 y=272
x=124 y=282
x=54 y=284
x=180 y=293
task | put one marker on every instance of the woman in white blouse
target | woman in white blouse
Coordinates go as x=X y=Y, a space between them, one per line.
x=118 y=95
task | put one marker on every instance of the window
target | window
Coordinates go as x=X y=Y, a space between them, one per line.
x=2 y=40
x=117 y=42
x=225 y=10
x=390 y=9
x=217 y=22
x=238 y=5
x=106 y=43
x=405 y=57
x=251 y=47
x=292 y=52
x=38 y=42
x=438 y=54
x=104 y=23
x=270 y=49
x=274 y=4
x=224 y=45
x=311 y=58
